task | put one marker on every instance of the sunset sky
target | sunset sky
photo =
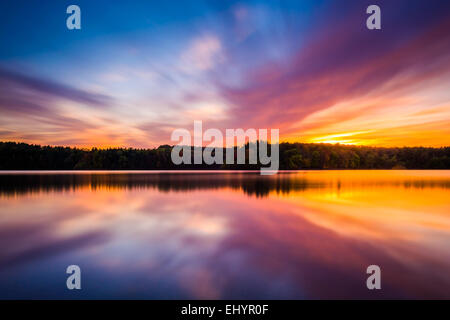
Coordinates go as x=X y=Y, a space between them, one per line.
x=137 y=70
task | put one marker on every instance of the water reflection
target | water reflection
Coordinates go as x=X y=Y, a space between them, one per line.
x=225 y=235
x=252 y=183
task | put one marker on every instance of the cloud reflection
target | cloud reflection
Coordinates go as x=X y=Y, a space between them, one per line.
x=154 y=237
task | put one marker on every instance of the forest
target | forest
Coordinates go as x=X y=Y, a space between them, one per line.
x=293 y=156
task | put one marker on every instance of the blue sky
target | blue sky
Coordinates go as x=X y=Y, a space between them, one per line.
x=139 y=69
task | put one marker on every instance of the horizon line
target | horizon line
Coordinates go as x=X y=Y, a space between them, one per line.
x=282 y=142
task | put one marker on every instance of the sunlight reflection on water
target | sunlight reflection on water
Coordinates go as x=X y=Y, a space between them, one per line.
x=163 y=235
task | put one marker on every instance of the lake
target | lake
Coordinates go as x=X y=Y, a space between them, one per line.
x=225 y=235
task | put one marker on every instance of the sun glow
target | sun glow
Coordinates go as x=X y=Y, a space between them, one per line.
x=341 y=138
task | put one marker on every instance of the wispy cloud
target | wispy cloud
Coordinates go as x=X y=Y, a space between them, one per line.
x=313 y=71
x=15 y=83
x=203 y=54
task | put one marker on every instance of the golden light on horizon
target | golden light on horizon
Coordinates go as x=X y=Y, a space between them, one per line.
x=341 y=138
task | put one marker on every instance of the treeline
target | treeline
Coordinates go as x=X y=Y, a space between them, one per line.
x=293 y=156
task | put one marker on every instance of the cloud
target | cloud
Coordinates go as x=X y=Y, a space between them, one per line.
x=202 y=55
x=339 y=62
x=16 y=82
x=36 y=109
x=311 y=71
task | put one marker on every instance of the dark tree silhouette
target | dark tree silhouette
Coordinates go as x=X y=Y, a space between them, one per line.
x=293 y=156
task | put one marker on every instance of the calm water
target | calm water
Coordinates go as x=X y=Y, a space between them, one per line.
x=225 y=235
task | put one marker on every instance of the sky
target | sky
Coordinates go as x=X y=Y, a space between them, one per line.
x=137 y=70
